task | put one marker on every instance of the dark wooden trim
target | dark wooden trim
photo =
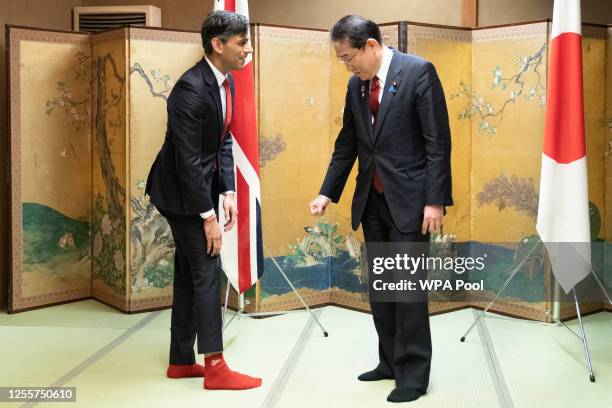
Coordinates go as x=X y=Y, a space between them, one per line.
x=165 y=29
x=157 y=29
x=109 y=305
x=602 y=309
x=539 y=21
x=92 y=135
x=118 y=28
x=506 y=314
x=9 y=26
x=592 y=312
x=438 y=26
x=63 y=302
x=454 y=309
x=391 y=23
x=468 y=13
x=9 y=170
x=152 y=309
x=292 y=27
x=129 y=26
x=257 y=83
x=596 y=25
x=354 y=309
x=514 y=24
x=402 y=41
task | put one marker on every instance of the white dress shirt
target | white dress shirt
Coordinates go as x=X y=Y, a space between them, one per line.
x=382 y=72
x=220 y=78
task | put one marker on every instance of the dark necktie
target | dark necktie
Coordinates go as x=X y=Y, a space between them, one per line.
x=374 y=93
x=374 y=105
x=228 y=108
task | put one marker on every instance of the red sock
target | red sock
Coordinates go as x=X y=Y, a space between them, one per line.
x=185 y=370
x=220 y=377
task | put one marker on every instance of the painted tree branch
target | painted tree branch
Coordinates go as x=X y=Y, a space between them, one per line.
x=114 y=191
x=490 y=117
x=138 y=69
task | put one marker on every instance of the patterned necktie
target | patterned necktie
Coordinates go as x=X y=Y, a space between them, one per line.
x=374 y=105
x=228 y=108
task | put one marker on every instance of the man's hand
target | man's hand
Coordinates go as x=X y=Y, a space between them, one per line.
x=432 y=218
x=231 y=211
x=212 y=230
x=318 y=205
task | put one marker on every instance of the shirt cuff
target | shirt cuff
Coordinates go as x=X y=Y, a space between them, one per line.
x=229 y=192
x=325 y=197
x=207 y=214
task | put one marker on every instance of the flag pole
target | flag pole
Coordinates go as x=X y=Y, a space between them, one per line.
x=512 y=275
x=556 y=309
x=240 y=313
x=583 y=338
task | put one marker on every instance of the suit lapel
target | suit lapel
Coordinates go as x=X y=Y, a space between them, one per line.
x=387 y=95
x=366 y=115
x=213 y=89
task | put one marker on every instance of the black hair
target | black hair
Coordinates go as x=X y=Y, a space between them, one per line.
x=223 y=25
x=356 y=30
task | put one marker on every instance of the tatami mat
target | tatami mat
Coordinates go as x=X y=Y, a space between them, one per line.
x=119 y=360
x=545 y=365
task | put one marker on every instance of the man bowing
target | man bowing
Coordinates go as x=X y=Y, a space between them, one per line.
x=396 y=123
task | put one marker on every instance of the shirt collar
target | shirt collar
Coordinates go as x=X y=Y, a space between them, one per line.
x=218 y=75
x=386 y=63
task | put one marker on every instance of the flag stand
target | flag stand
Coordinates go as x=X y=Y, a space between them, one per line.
x=556 y=320
x=240 y=313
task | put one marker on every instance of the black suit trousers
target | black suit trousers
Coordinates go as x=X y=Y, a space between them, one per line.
x=196 y=301
x=404 y=338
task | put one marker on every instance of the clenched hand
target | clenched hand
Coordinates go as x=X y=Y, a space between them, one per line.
x=318 y=205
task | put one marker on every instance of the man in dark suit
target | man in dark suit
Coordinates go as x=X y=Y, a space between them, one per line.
x=194 y=166
x=396 y=124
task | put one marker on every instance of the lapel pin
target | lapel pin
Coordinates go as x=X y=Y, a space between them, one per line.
x=393 y=87
x=362 y=91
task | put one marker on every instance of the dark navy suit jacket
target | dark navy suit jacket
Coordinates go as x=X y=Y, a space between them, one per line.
x=410 y=144
x=195 y=162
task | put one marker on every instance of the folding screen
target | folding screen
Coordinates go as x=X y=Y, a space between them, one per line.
x=293 y=85
x=301 y=90
x=608 y=170
x=85 y=129
x=608 y=136
x=101 y=106
x=347 y=275
x=505 y=100
x=450 y=50
x=151 y=78
x=50 y=166
x=109 y=141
